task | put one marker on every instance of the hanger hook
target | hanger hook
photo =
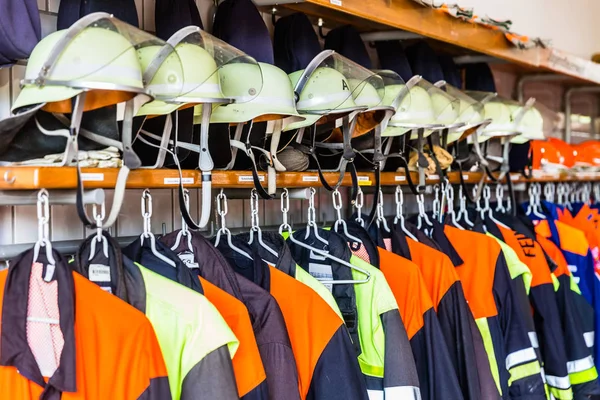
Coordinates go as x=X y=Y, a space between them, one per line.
x=285 y=208
x=320 y=23
x=146 y=204
x=358 y=204
x=99 y=217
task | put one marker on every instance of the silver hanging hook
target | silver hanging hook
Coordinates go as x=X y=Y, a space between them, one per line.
x=500 y=198
x=285 y=208
x=43 y=215
x=380 y=213
x=98 y=218
x=436 y=205
x=358 y=204
x=146 y=204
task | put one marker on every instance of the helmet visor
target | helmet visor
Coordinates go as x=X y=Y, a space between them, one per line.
x=101 y=52
x=470 y=110
x=333 y=83
x=214 y=69
x=396 y=91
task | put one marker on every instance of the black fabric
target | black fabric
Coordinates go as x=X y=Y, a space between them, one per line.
x=433 y=362
x=28 y=142
x=392 y=56
x=456 y=323
x=20 y=29
x=574 y=329
x=295 y=42
x=338 y=352
x=116 y=283
x=487 y=385
x=142 y=253
x=423 y=61
x=212 y=376
x=239 y=23
x=172 y=15
x=14 y=349
x=479 y=77
x=450 y=70
x=158 y=389
x=442 y=242
x=134 y=281
x=519 y=158
x=346 y=40
x=70 y=11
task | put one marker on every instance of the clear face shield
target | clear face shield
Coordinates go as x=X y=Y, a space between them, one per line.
x=98 y=54
x=470 y=116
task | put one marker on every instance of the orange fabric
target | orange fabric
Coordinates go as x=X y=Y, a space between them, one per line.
x=310 y=321
x=572 y=239
x=587 y=220
x=562 y=267
x=588 y=152
x=531 y=254
x=480 y=254
x=408 y=286
x=247 y=364
x=116 y=350
x=438 y=271
x=565 y=150
x=542 y=152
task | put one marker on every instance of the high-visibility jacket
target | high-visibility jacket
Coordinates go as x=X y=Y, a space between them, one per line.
x=371 y=314
x=436 y=373
x=327 y=368
x=196 y=342
x=576 y=250
x=458 y=327
x=102 y=347
x=579 y=339
x=434 y=366
x=265 y=314
x=249 y=374
x=489 y=291
x=548 y=336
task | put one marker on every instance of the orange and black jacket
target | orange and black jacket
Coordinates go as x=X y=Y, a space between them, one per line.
x=265 y=314
x=110 y=349
x=550 y=338
x=456 y=322
x=327 y=365
x=437 y=379
x=494 y=302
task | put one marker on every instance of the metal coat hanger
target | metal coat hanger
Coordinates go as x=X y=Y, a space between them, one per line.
x=336 y=196
x=285 y=227
x=500 y=198
x=463 y=215
x=436 y=206
x=399 y=198
x=184 y=231
x=422 y=214
x=535 y=190
x=487 y=195
x=98 y=217
x=146 y=204
x=256 y=224
x=451 y=212
x=43 y=215
x=549 y=192
x=222 y=211
x=381 y=221
x=358 y=204
x=311 y=223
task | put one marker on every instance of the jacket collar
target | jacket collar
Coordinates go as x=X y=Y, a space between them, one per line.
x=14 y=349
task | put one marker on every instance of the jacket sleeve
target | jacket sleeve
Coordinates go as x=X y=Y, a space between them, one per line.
x=153 y=365
x=575 y=313
x=400 y=380
x=456 y=322
x=437 y=378
x=337 y=375
x=551 y=340
x=212 y=376
x=525 y=378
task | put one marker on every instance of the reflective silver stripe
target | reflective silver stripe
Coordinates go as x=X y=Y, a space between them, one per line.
x=589 y=338
x=534 y=339
x=396 y=393
x=580 y=365
x=403 y=393
x=559 y=382
x=520 y=357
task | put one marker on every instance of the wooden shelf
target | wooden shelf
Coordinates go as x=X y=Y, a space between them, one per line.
x=33 y=178
x=406 y=15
